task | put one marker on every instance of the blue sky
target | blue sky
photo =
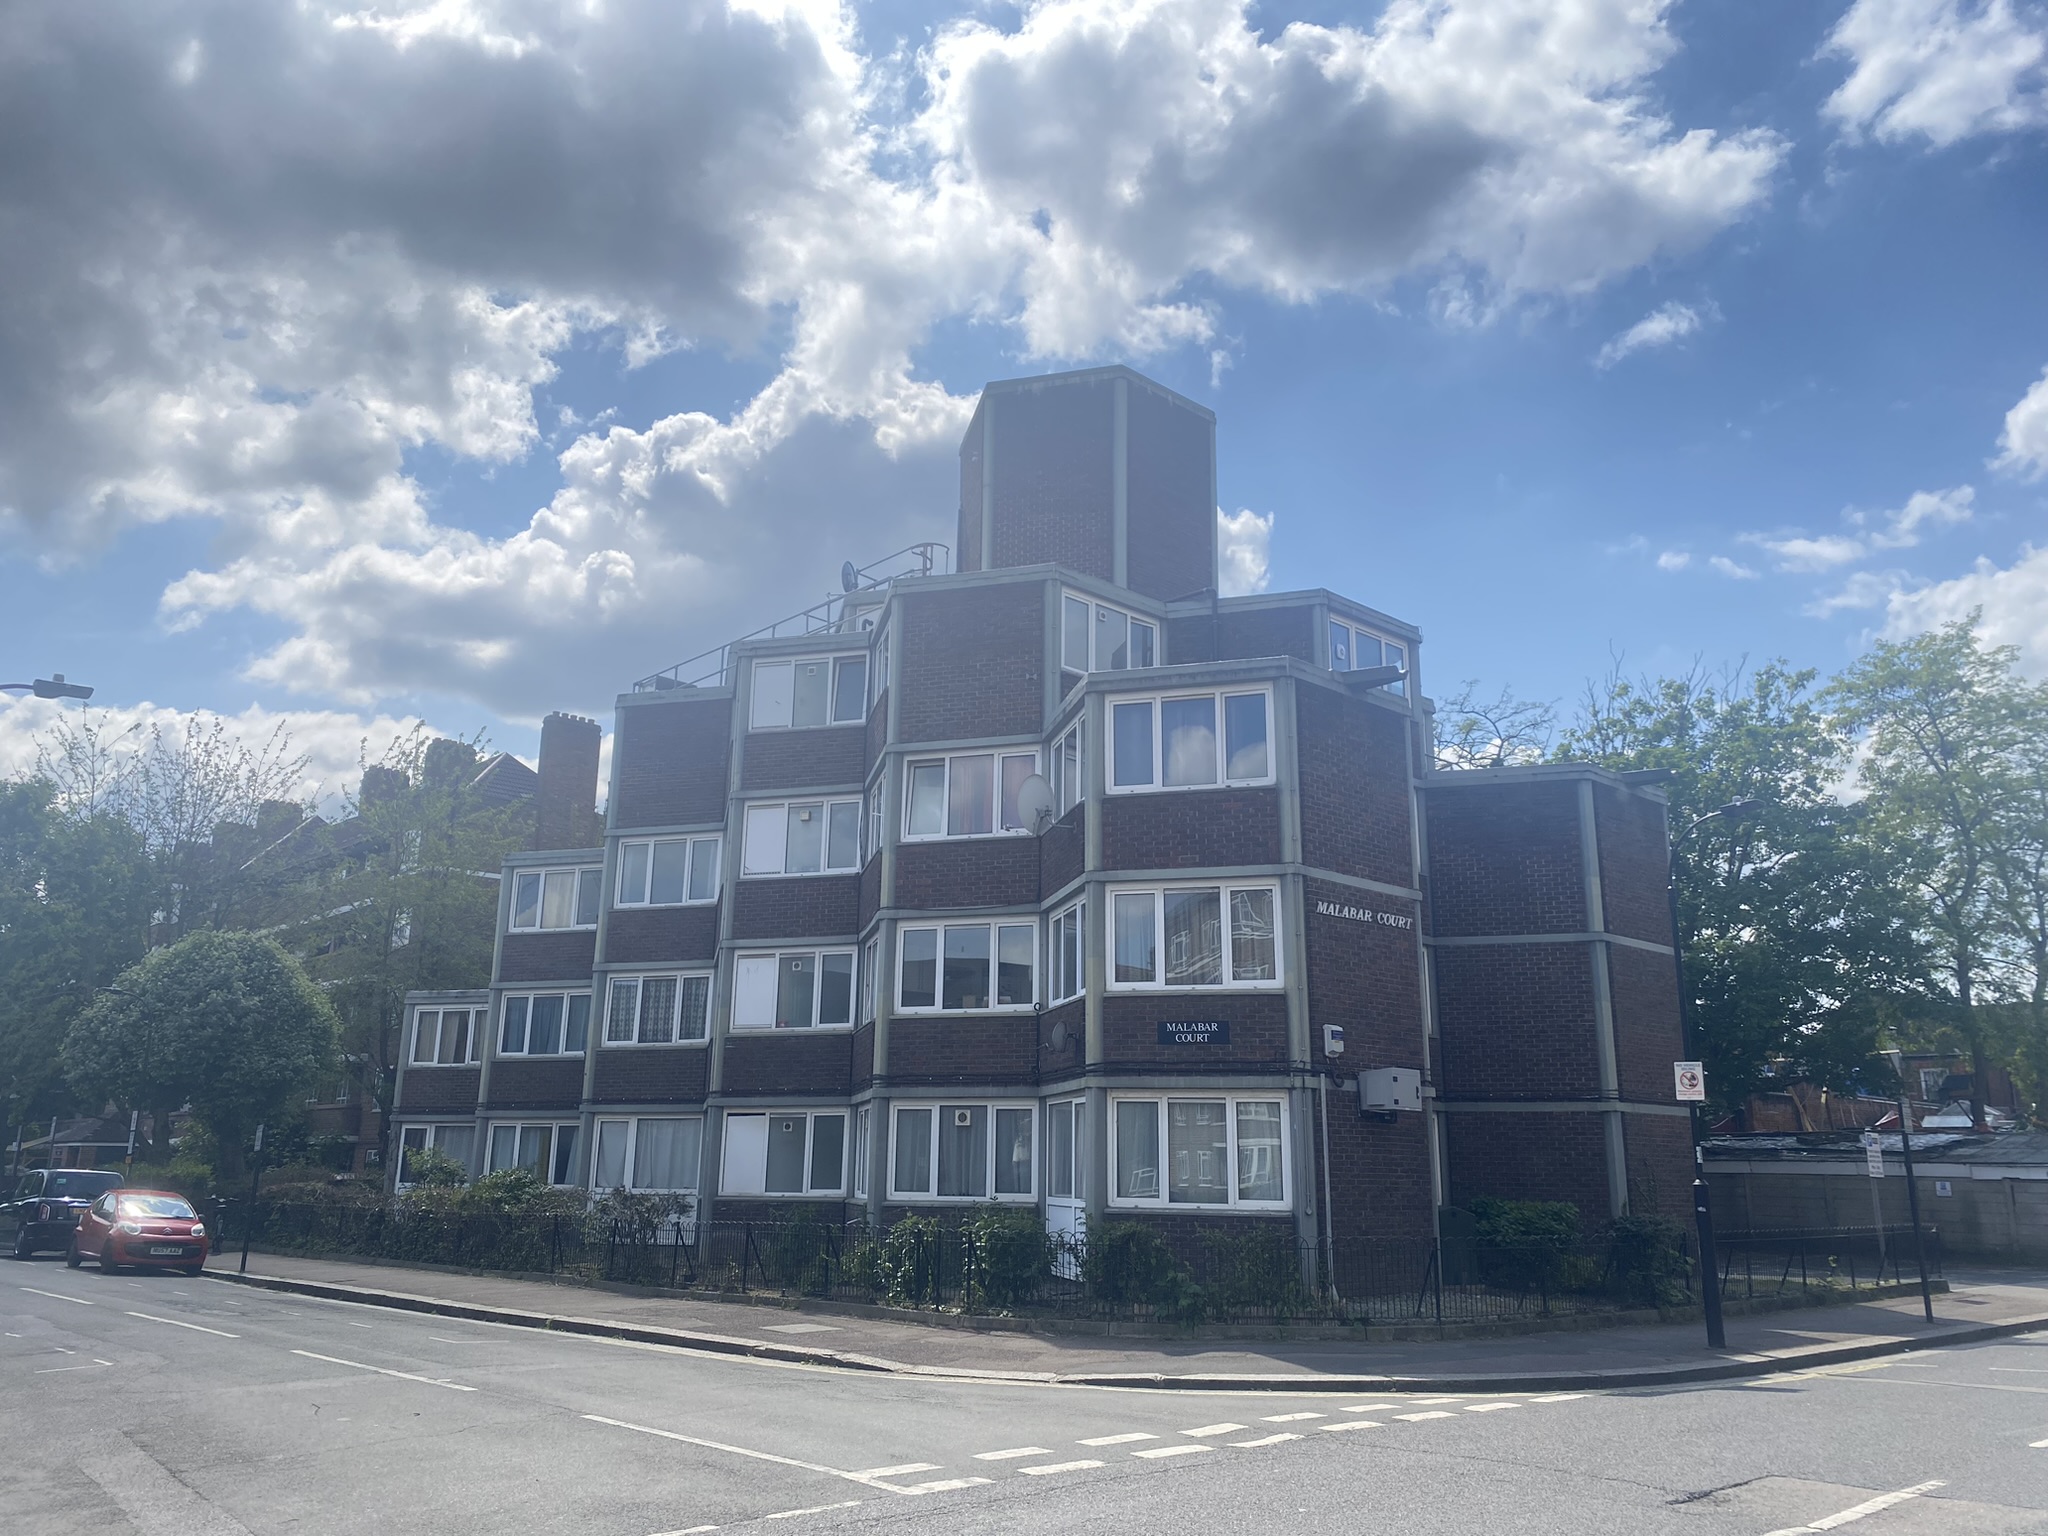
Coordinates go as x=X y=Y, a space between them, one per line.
x=1564 y=330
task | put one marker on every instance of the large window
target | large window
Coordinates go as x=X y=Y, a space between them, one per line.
x=545 y=1024
x=1067 y=789
x=1194 y=936
x=963 y=1152
x=1069 y=956
x=1220 y=1151
x=556 y=898
x=668 y=871
x=802 y=837
x=657 y=1010
x=967 y=967
x=1190 y=741
x=655 y=1153
x=815 y=690
x=972 y=795
x=1065 y=1165
x=447 y=1037
x=797 y=989
x=788 y=1152
x=1353 y=648
x=547 y=1151
x=1095 y=637
x=457 y=1142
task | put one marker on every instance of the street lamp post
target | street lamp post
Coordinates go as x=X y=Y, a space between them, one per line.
x=51 y=687
x=1702 y=1196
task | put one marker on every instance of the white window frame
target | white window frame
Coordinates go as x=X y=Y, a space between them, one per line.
x=870 y=971
x=832 y=661
x=473 y=1052
x=939 y=1109
x=632 y=1124
x=753 y=854
x=580 y=873
x=555 y=1151
x=1075 y=1111
x=1072 y=919
x=994 y=927
x=998 y=810
x=1065 y=764
x=747 y=969
x=857 y=1149
x=810 y=1117
x=638 y=980
x=1096 y=608
x=1230 y=1101
x=1345 y=650
x=1156 y=702
x=1159 y=893
x=700 y=852
x=568 y=997
x=430 y=1140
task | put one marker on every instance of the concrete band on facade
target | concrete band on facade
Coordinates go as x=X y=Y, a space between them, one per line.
x=1502 y=933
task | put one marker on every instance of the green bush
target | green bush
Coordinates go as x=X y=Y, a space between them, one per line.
x=1129 y=1263
x=1646 y=1262
x=1255 y=1270
x=337 y=1154
x=1008 y=1253
x=908 y=1263
x=1522 y=1245
x=799 y=1257
x=431 y=1168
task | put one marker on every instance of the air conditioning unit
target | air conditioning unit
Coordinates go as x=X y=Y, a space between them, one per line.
x=1385 y=1089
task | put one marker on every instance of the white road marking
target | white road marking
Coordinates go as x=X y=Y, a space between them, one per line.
x=800 y=1328
x=1489 y=1407
x=948 y=1486
x=439 y=1340
x=815 y=1509
x=1331 y=1429
x=358 y=1365
x=2039 y=1445
x=688 y=1530
x=14 y=1335
x=1417 y=1418
x=866 y=1479
x=1292 y=1418
x=2018 y=1370
x=1012 y=1454
x=1372 y=1408
x=1213 y=1429
x=1429 y=1402
x=1558 y=1397
x=1172 y=1450
x=58 y=1370
x=149 y=1317
x=76 y=1301
x=1250 y=1445
x=903 y=1471
x=1058 y=1466
x=1858 y=1511
x=1117 y=1439
x=354 y=1324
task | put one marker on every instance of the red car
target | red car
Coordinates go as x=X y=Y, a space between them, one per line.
x=148 y=1227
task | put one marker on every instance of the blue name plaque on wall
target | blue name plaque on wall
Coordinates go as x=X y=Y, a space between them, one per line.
x=1194 y=1032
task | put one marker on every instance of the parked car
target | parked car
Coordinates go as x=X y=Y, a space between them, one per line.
x=45 y=1204
x=150 y=1228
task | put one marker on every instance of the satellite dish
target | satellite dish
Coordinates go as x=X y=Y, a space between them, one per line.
x=1035 y=805
x=849 y=578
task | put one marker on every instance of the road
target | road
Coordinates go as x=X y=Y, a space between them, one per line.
x=161 y=1404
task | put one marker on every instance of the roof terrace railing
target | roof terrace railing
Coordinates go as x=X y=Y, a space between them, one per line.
x=712 y=666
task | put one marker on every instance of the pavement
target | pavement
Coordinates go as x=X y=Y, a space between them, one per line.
x=156 y=1405
x=1979 y=1305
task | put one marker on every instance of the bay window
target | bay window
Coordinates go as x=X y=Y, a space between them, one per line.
x=966 y=967
x=971 y=795
x=545 y=1024
x=1190 y=741
x=963 y=1152
x=657 y=1010
x=456 y=1142
x=811 y=837
x=1220 y=1151
x=1353 y=648
x=547 y=1151
x=799 y=989
x=812 y=690
x=555 y=898
x=668 y=871
x=1067 y=789
x=786 y=1152
x=1094 y=637
x=444 y=1037
x=1194 y=936
x=660 y=1153
x=1069 y=962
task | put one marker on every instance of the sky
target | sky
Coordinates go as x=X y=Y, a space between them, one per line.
x=459 y=360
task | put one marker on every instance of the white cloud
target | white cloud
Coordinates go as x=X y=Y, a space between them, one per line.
x=2024 y=442
x=1799 y=553
x=1661 y=327
x=1243 y=551
x=2013 y=600
x=1942 y=70
x=258 y=254
x=1863 y=589
x=1673 y=560
x=1899 y=528
x=1723 y=566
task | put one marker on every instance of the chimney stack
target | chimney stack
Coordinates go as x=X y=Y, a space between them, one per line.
x=565 y=804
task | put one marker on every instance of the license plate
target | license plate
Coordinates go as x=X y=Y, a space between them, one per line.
x=172 y=1251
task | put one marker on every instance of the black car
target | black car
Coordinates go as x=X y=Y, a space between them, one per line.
x=45 y=1206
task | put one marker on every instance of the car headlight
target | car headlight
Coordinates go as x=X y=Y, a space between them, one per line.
x=129 y=1228
x=199 y=1229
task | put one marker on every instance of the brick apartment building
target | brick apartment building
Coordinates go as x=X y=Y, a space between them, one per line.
x=1257 y=959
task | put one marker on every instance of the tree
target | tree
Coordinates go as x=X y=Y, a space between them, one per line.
x=1939 y=718
x=2019 y=885
x=1795 y=942
x=1492 y=733
x=225 y=1023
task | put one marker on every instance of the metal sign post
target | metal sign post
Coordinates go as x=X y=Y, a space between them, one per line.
x=1689 y=1081
x=1913 y=1202
x=255 y=1184
x=1873 y=1164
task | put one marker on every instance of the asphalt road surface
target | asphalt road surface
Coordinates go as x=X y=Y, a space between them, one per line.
x=160 y=1404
